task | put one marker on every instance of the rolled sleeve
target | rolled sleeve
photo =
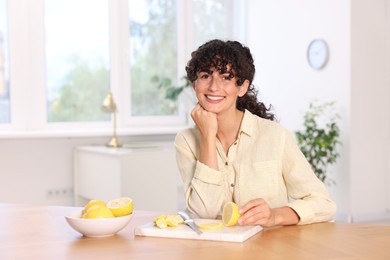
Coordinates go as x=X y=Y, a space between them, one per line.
x=208 y=175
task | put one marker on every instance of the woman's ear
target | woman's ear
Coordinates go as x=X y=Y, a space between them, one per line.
x=243 y=88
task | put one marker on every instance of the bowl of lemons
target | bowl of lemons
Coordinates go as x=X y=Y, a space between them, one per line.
x=101 y=219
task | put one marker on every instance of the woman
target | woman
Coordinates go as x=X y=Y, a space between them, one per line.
x=236 y=152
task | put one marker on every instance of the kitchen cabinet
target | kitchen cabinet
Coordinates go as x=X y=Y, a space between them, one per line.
x=145 y=172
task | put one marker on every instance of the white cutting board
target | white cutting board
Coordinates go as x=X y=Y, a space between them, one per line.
x=230 y=234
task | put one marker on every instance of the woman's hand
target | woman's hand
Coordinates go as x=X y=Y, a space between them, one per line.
x=258 y=212
x=208 y=126
x=206 y=121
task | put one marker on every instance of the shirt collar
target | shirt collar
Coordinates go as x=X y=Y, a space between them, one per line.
x=247 y=124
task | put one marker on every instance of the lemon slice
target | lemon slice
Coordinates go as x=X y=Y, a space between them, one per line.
x=174 y=220
x=121 y=206
x=160 y=217
x=98 y=211
x=161 y=223
x=210 y=225
x=92 y=203
x=230 y=214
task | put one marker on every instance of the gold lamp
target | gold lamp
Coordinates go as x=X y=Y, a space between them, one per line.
x=109 y=106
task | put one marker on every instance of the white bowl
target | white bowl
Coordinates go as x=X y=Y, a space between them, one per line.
x=99 y=227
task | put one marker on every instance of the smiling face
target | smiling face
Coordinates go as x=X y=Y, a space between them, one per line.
x=217 y=91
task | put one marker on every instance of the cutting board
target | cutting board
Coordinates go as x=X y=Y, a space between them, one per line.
x=230 y=234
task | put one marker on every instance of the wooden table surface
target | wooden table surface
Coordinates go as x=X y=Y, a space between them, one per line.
x=41 y=232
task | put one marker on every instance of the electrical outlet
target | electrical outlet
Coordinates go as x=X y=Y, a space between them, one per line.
x=59 y=193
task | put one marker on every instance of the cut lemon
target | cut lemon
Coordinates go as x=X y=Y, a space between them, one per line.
x=98 y=211
x=174 y=220
x=160 y=217
x=92 y=203
x=210 y=225
x=121 y=206
x=161 y=223
x=164 y=221
x=230 y=214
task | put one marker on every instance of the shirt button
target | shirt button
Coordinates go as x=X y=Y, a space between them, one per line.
x=226 y=163
x=232 y=185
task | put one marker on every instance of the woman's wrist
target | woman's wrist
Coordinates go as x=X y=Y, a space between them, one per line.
x=208 y=152
x=285 y=216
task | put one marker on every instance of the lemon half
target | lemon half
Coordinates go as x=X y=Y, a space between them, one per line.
x=230 y=214
x=121 y=206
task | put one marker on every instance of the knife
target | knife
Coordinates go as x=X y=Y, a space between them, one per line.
x=189 y=221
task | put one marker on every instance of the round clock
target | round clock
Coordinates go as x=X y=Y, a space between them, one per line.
x=317 y=54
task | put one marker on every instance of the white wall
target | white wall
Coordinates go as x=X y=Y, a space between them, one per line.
x=279 y=32
x=369 y=118
x=31 y=168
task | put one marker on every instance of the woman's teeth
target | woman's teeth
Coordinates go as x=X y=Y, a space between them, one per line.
x=214 y=97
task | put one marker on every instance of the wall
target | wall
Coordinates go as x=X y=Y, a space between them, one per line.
x=369 y=119
x=40 y=171
x=278 y=34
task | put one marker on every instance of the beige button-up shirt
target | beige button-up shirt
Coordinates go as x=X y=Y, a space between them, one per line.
x=264 y=162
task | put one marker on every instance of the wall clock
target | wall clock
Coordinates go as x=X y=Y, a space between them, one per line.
x=317 y=53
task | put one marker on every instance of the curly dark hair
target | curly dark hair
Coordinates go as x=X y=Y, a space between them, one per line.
x=217 y=54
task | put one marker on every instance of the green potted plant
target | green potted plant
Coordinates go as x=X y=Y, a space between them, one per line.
x=172 y=92
x=320 y=138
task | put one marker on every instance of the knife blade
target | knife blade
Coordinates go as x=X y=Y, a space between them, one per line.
x=189 y=222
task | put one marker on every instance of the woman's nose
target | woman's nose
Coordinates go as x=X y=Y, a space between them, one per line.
x=214 y=84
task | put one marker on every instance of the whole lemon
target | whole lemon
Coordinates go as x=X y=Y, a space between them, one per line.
x=92 y=203
x=98 y=211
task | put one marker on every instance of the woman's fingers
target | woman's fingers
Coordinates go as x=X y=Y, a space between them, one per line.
x=256 y=212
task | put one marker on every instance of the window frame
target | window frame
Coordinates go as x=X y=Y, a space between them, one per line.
x=28 y=92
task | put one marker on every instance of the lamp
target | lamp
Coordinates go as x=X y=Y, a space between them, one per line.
x=109 y=106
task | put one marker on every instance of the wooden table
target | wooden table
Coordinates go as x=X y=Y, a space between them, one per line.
x=28 y=232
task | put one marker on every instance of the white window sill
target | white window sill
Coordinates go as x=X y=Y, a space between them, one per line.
x=68 y=133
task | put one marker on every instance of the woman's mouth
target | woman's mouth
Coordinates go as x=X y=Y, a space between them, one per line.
x=214 y=98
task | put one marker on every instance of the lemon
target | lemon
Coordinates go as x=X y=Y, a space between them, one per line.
x=210 y=225
x=161 y=223
x=164 y=221
x=121 y=206
x=92 y=203
x=174 y=220
x=230 y=214
x=160 y=217
x=98 y=211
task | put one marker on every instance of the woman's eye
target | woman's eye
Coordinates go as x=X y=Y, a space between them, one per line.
x=204 y=76
x=226 y=77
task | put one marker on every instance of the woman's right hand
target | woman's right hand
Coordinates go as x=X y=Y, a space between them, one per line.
x=207 y=125
x=206 y=121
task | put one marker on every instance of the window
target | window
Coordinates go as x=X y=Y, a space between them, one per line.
x=153 y=45
x=76 y=51
x=4 y=76
x=77 y=59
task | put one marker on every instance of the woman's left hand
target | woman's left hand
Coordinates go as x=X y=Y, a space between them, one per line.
x=257 y=212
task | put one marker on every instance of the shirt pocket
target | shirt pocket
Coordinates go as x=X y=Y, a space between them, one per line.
x=262 y=180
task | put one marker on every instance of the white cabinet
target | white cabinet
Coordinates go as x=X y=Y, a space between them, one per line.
x=147 y=173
